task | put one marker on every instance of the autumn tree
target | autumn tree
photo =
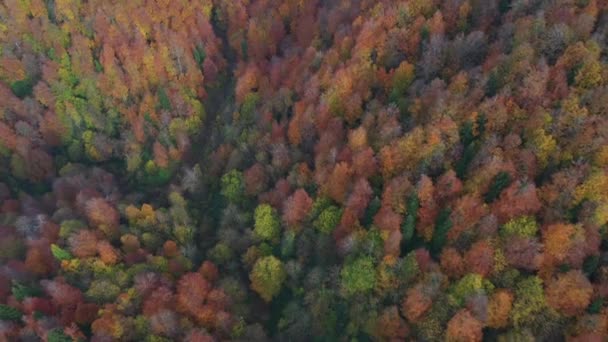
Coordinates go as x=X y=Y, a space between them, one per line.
x=391 y=325
x=83 y=243
x=338 y=182
x=480 y=258
x=416 y=303
x=570 y=293
x=360 y=197
x=499 y=308
x=464 y=327
x=297 y=207
x=452 y=262
x=102 y=215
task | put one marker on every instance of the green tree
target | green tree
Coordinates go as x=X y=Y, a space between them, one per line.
x=23 y=88
x=153 y=175
x=443 y=224
x=221 y=254
x=163 y=100
x=469 y=137
x=328 y=219
x=591 y=264
x=267 y=225
x=409 y=224
x=60 y=253
x=267 y=277
x=408 y=268
x=248 y=107
x=321 y=203
x=70 y=226
x=199 y=54
x=233 y=186
x=596 y=306
x=501 y=181
x=57 y=335
x=524 y=226
x=402 y=79
x=589 y=75
x=9 y=313
x=493 y=84
x=529 y=300
x=20 y=292
x=468 y=285
x=103 y=291
x=359 y=276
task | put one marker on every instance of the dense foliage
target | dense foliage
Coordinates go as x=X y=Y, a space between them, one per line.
x=311 y=170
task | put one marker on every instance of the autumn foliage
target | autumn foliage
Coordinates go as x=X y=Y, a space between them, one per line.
x=280 y=170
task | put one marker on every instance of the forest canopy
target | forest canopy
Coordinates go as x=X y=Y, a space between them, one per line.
x=279 y=170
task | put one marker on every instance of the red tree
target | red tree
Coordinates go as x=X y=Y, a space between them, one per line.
x=480 y=258
x=464 y=327
x=570 y=293
x=359 y=198
x=517 y=200
x=338 y=182
x=296 y=207
x=83 y=244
